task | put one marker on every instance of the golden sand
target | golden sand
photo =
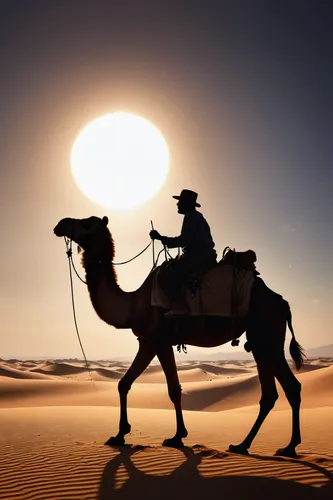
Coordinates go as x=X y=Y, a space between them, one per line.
x=54 y=422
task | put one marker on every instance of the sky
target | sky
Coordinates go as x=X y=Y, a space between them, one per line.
x=241 y=91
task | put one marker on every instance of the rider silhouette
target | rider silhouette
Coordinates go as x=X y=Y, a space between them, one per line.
x=197 y=245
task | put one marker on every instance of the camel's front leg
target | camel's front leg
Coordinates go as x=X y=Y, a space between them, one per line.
x=143 y=358
x=269 y=395
x=167 y=359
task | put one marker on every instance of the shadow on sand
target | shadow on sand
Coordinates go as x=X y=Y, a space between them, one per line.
x=185 y=480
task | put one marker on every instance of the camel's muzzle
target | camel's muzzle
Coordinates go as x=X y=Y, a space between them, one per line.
x=63 y=228
x=57 y=231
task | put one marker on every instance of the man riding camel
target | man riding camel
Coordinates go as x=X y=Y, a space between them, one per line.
x=197 y=245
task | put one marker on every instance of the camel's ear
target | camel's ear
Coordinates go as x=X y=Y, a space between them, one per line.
x=105 y=220
x=252 y=255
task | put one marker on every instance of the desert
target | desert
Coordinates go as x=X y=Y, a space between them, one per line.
x=145 y=147
x=57 y=414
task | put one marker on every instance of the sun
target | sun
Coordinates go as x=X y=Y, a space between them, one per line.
x=120 y=161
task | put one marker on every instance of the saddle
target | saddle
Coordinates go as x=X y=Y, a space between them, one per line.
x=241 y=260
x=218 y=291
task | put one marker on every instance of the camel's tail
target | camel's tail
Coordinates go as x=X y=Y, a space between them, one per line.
x=295 y=349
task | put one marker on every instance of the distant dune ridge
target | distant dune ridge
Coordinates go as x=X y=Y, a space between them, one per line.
x=55 y=416
x=207 y=386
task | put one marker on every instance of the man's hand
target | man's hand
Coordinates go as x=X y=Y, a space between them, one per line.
x=155 y=235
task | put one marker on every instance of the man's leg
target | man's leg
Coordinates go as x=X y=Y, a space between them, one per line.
x=172 y=281
x=187 y=265
x=177 y=295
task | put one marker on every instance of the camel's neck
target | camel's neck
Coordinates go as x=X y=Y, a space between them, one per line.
x=112 y=304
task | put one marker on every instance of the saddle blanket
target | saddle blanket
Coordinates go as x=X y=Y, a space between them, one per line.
x=214 y=295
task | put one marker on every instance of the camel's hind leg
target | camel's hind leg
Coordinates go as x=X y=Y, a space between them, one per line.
x=167 y=359
x=269 y=395
x=143 y=358
x=292 y=389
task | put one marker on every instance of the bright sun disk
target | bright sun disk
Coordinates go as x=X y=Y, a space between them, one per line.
x=120 y=160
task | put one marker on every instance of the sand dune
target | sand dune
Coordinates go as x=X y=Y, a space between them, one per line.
x=56 y=415
x=222 y=394
x=26 y=364
x=202 y=390
x=226 y=370
x=15 y=373
x=214 y=368
x=108 y=374
x=317 y=388
x=60 y=369
x=53 y=453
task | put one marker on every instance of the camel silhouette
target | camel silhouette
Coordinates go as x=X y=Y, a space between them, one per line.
x=265 y=327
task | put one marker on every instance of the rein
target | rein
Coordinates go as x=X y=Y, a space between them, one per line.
x=70 y=264
x=69 y=253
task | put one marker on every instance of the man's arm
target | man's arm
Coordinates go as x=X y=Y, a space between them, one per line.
x=172 y=242
x=185 y=238
x=169 y=242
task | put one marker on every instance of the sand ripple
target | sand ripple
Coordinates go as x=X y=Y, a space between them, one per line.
x=91 y=471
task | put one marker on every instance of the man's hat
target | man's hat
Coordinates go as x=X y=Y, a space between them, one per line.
x=188 y=196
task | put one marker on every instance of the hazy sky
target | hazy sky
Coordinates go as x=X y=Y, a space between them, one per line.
x=242 y=92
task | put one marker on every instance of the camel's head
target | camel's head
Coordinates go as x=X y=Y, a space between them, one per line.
x=80 y=230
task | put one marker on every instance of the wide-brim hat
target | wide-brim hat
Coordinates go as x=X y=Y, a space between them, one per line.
x=188 y=196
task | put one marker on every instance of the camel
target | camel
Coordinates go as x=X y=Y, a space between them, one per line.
x=265 y=327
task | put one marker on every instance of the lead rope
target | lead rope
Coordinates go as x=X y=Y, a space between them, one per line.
x=69 y=253
x=70 y=261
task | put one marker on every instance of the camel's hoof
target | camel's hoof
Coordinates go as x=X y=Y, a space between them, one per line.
x=286 y=452
x=238 y=448
x=115 y=441
x=173 y=442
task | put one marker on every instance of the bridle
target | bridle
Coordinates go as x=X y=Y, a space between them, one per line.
x=69 y=253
